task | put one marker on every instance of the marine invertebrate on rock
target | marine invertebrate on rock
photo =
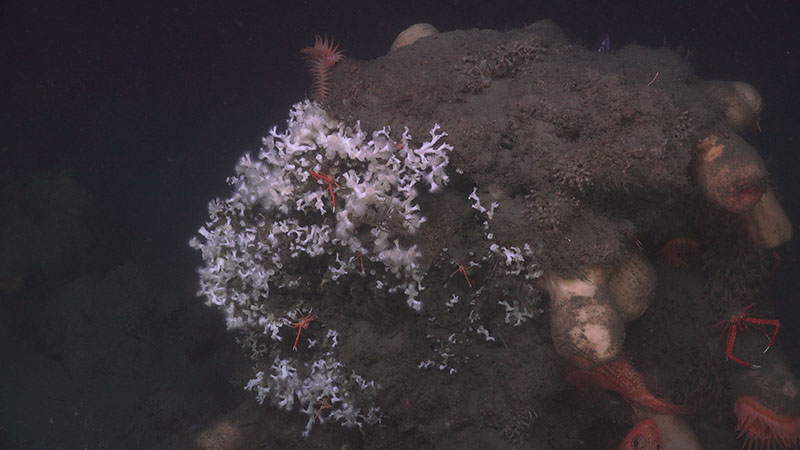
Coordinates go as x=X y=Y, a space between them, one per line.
x=621 y=377
x=674 y=431
x=767 y=402
x=412 y=33
x=741 y=101
x=320 y=58
x=584 y=324
x=733 y=176
x=332 y=216
x=604 y=46
x=743 y=321
x=767 y=222
x=633 y=286
x=762 y=427
x=271 y=246
x=730 y=172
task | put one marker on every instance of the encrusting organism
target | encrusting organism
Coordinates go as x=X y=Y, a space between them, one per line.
x=320 y=58
x=633 y=286
x=412 y=34
x=740 y=101
x=730 y=172
x=584 y=324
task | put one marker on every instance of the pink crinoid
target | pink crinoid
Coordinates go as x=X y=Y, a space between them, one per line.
x=321 y=57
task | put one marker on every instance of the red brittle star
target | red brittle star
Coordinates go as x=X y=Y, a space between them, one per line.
x=301 y=325
x=463 y=270
x=330 y=181
x=325 y=404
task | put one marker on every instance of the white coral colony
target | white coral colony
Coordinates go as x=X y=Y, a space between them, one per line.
x=304 y=195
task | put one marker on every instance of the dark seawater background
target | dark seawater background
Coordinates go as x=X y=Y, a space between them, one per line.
x=144 y=107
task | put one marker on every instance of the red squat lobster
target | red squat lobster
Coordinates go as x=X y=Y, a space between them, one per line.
x=741 y=322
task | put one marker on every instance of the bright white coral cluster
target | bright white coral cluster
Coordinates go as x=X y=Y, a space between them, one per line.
x=317 y=203
x=323 y=394
x=480 y=208
x=280 y=211
x=517 y=261
x=517 y=311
